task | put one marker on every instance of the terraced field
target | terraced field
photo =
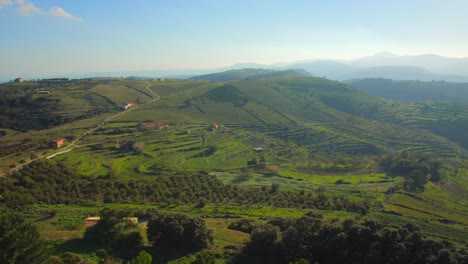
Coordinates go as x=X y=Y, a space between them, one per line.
x=120 y=94
x=294 y=123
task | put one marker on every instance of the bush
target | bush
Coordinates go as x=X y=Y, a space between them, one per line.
x=142 y=258
x=179 y=231
x=264 y=240
x=244 y=225
x=20 y=241
x=369 y=241
x=115 y=233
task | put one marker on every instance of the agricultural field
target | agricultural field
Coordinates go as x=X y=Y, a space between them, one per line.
x=275 y=147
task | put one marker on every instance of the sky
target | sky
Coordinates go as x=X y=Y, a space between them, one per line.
x=60 y=37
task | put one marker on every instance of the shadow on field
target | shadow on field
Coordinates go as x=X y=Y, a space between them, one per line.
x=164 y=255
x=78 y=246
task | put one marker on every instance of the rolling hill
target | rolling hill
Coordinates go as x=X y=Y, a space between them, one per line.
x=342 y=71
x=243 y=143
x=413 y=91
x=248 y=74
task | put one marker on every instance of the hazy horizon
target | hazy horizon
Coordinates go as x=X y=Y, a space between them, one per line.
x=57 y=38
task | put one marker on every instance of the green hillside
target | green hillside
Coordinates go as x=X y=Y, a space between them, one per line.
x=413 y=91
x=262 y=148
x=248 y=74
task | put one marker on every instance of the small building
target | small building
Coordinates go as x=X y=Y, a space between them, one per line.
x=213 y=127
x=159 y=79
x=43 y=92
x=91 y=221
x=258 y=149
x=127 y=106
x=57 y=143
x=153 y=125
x=19 y=80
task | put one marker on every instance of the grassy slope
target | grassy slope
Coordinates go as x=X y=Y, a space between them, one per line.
x=293 y=102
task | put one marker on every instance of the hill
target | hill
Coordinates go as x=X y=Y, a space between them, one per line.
x=434 y=63
x=343 y=70
x=247 y=74
x=279 y=144
x=41 y=105
x=413 y=91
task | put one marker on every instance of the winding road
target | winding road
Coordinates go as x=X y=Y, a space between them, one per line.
x=72 y=145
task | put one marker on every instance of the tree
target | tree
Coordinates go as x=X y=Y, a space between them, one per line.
x=204 y=258
x=116 y=233
x=20 y=242
x=416 y=180
x=179 y=231
x=138 y=147
x=142 y=258
x=275 y=187
x=264 y=240
x=244 y=225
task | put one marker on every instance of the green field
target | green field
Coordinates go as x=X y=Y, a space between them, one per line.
x=307 y=136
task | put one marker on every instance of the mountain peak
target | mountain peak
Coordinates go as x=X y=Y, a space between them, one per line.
x=384 y=54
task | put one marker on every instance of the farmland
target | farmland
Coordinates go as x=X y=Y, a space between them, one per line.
x=282 y=143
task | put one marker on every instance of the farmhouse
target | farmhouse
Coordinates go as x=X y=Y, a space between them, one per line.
x=43 y=92
x=127 y=106
x=19 y=80
x=159 y=79
x=90 y=221
x=57 y=143
x=213 y=127
x=153 y=125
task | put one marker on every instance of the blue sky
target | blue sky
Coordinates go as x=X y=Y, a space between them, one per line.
x=59 y=37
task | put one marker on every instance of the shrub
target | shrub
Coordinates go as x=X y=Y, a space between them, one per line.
x=179 y=231
x=244 y=225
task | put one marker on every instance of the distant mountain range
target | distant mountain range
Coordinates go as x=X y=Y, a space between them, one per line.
x=390 y=66
x=386 y=65
x=382 y=65
x=434 y=63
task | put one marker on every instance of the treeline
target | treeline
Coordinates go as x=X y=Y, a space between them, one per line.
x=115 y=238
x=20 y=110
x=413 y=91
x=43 y=181
x=311 y=239
x=25 y=112
x=417 y=168
x=20 y=241
x=118 y=235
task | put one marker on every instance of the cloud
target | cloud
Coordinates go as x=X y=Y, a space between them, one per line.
x=59 y=12
x=5 y=3
x=26 y=8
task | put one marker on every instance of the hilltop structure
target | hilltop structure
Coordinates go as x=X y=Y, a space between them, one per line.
x=57 y=143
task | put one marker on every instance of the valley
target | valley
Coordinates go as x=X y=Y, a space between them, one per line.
x=227 y=146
